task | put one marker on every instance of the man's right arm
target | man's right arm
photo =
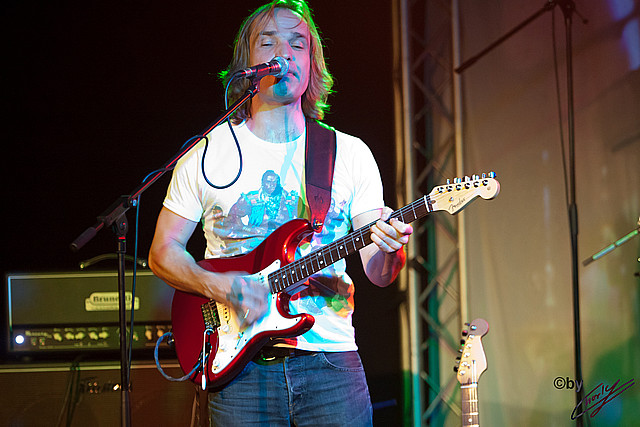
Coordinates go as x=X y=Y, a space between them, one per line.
x=170 y=261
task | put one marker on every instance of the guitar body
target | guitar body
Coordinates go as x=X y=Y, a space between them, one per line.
x=229 y=348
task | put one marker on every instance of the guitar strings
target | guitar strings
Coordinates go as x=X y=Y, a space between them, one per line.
x=358 y=239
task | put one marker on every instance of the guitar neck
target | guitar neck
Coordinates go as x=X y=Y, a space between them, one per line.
x=450 y=197
x=470 y=415
x=472 y=364
x=300 y=270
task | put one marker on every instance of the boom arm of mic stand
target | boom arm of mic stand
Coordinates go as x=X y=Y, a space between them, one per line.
x=548 y=6
x=123 y=203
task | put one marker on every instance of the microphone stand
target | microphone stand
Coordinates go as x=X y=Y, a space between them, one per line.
x=115 y=217
x=567 y=7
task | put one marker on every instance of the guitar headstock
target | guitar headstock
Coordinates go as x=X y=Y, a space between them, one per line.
x=472 y=360
x=454 y=196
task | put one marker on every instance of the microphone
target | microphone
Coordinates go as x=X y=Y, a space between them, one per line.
x=277 y=67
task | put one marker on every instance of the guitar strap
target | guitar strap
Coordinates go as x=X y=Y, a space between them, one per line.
x=320 y=158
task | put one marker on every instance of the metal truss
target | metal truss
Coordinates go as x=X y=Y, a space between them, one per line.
x=428 y=135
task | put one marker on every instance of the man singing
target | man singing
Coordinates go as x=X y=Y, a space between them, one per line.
x=315 y=378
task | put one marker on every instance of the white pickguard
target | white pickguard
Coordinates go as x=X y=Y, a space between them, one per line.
x=232 y=339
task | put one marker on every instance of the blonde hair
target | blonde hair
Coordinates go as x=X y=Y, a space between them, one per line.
x=314 y=99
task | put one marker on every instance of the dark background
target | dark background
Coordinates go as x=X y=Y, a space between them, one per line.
x=98 y=94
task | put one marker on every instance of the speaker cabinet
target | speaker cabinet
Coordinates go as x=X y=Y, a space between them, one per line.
x=88 y=394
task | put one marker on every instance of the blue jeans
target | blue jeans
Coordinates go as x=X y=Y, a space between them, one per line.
x=319 y=389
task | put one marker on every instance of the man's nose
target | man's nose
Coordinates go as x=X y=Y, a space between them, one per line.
x=284 y=50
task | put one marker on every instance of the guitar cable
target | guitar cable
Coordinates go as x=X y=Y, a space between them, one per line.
x=163 y=373
x=203 y=377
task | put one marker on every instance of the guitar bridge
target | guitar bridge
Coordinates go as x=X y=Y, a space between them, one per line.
x=210 y=315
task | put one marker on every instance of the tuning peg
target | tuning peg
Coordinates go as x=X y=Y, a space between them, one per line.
x=455 y=369
x=464 y=332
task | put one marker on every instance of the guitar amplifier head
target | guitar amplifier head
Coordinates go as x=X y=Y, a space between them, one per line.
x=79 y=311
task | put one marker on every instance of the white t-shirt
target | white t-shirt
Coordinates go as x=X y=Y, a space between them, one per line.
x=270 y=192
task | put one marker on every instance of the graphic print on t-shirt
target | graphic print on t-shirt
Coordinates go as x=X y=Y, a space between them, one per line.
x=255 y=215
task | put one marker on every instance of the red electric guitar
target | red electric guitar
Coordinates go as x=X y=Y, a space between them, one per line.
x=206 y=333
x=472 y=363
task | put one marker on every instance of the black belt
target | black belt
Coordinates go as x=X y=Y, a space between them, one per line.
x=271 y=353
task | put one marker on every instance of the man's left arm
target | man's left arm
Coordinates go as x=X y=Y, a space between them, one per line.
x=384 y=258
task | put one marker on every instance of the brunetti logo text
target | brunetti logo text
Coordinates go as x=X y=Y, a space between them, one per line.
x=108 y=301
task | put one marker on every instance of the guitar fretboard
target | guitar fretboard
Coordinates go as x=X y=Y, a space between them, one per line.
x=470 y=415
x=301 y=269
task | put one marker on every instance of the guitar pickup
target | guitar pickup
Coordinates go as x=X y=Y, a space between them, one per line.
x=210 y=315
